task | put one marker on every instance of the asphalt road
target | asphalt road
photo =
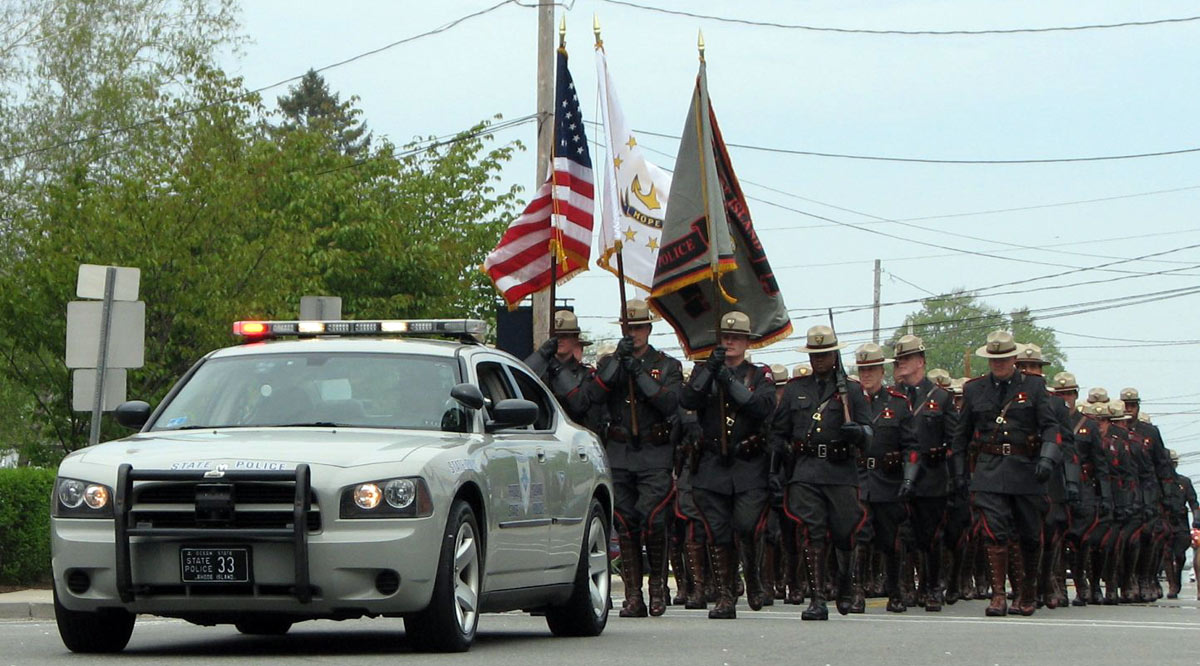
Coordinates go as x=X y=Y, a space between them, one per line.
x=1163 y=633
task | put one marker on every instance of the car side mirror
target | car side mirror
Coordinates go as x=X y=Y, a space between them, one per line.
x=132 y=413
x=513 y=413
x=468 y=395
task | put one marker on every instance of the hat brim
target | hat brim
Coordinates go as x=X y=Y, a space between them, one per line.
x=909 y=353
x=982 y=352
x=637 y=322
x=752 y=336
x=872 y=364
x=805 y=349
x=1064 y=389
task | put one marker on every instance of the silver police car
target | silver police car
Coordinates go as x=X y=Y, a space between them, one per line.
x=338 y=469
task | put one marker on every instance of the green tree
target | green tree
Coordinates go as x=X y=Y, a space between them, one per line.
x=958 y=324
x=171 y=168
x=311 y=105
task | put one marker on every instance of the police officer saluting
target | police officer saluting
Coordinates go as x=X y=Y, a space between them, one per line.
x=640 y=386
x=820 y=448
x=556 y=362
x=1008 y=415
x=732 y=398
x=926 y=480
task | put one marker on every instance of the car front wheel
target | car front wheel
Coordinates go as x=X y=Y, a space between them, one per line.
x=586 y=612
x=106 y=630
x=448 y=624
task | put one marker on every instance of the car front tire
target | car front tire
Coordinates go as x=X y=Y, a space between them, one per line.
x=448 y=624
x=101 y=631
x=586 y=612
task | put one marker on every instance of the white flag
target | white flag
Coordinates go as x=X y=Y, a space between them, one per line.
x=635 y=194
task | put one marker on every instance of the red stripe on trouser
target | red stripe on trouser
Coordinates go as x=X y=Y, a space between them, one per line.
x=801 y=526
x=1088 y=532
x=658 y=509
x=984 y=524
x=861 y=522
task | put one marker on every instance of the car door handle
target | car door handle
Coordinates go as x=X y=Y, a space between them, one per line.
x=583 y=454
x=541 y=455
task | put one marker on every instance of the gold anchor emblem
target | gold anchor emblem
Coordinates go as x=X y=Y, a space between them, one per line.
x=649 y=199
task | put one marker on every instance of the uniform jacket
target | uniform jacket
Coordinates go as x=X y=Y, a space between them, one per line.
x=894 y=432
x=1124 y=468
x=1096 y=472
x=735 y=473
x=568 y=382
x=1067 y=471
x=1156 y=478
x=935 y=416
x=1030 y=418
x=654 y=412
x=804 y=398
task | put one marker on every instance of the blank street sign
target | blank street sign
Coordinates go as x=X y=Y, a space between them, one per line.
x=91 y=282
x=126 y=337
x=83 y=388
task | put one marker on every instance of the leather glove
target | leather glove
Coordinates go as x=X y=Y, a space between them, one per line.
x=625 y=347
x=1072 y=494
x=548 y=348
x=852 y=432
x=692 y=432
x=631 y=364
x=715 y=360
x=725 y=375
x=906 y=489
x=1043 y=469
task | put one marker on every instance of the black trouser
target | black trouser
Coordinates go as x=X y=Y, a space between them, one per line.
x=1086 y=529
x=642 y=502
x=929 y=520
x=724 y=515
x=686 y=511
x=958 y=521
x=824 y=511
x=1006 y=518
x=885 y=519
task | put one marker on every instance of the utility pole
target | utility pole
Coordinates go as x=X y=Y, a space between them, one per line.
x=542 y=306
x=875 y=327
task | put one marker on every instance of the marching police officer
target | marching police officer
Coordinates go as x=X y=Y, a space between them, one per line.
x=820 y=447
x=1180 y=535
x=732 y=398
x=926 y=479
x=1009 y=416
x=883 y=485
x=556 y=362
x=1158 y=489
x=640 y=386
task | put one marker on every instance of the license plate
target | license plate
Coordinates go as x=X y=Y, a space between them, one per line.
x=214 y=565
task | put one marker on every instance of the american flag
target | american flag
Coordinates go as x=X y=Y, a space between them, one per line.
x=520 y=264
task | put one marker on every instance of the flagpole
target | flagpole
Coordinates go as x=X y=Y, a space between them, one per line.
x=555 y=241
x=619 y=246
x=712 y=238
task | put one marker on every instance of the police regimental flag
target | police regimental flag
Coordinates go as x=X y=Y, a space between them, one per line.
x=558 y=221
x=635 y=194
x=700 y=241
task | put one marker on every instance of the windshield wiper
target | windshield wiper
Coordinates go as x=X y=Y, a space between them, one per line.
x=313 y=424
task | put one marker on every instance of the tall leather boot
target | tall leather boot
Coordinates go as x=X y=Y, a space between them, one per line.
x=997 y=559
x=799 y=583
x=766 y=573
x=724 y=567
x=931 y=579
x=1045 y=579
x=752 y=566
x=1095 y=570
x=1128 y=576
x=1023 y=562
x=815 y=560
x=695 y=557
x=1112 y=568
x=1151 y=589
x=970 y=569
x=1060 y=575
x=982 y=577
x=656 y=553
x=845 y=579
x=1173 y=574
x=908 y=580
x=954 y=576
x=783 y=571
x=891 y=575
x=1080 y=563
x=675 y=553
x=631 y=576
x=858 y=579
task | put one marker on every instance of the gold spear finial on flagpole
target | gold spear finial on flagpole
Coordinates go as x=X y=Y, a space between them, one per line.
x=596 y=31
x=700 y=44
x=562 y=32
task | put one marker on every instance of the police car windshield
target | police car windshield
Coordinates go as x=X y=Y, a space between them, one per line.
x=317 y=389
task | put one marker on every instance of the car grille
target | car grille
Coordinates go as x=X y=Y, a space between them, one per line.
x=256 y=505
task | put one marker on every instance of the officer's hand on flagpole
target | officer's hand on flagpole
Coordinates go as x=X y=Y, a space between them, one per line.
x=715 y=360
x=548 y=348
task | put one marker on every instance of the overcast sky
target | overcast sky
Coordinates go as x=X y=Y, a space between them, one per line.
x=1025 y=96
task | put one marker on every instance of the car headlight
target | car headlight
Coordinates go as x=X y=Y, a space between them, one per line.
x=81 y=499
x=388 y=498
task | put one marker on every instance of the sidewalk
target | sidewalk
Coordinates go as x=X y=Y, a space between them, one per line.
x=26 y=604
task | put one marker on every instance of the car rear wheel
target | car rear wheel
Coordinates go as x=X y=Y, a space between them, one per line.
x=448 y=624
x=264 y=626
x=105 y=630
x=586 y=612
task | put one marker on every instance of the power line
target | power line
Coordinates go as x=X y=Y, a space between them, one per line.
x=932 y=33
x=249 y=93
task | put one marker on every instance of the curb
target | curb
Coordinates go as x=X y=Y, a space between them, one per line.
x=24 y=610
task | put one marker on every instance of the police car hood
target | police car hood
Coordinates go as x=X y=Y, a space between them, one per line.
x=265 y=448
